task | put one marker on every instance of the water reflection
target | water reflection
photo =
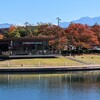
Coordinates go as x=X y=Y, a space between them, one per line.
x=56 y=86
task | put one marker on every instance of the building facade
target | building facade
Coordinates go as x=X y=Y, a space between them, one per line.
x=26 y=46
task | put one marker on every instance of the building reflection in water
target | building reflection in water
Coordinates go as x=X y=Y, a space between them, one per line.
x=81 y=80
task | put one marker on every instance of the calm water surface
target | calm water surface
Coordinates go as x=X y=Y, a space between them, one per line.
x=68 y=86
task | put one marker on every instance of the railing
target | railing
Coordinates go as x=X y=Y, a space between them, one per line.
x=38 y=52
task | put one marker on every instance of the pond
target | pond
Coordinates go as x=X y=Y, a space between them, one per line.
x=67 y=86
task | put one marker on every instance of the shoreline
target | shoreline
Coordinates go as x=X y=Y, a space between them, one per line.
x=49 y=69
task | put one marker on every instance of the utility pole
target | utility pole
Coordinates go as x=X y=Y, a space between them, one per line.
x=58 y=20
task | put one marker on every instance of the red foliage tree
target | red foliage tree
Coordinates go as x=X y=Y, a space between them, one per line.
x=96 y=29
x=80 y=36
x=53 y=30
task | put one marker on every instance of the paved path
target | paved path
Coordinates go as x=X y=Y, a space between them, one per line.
x=49 y=69
x=77 y=60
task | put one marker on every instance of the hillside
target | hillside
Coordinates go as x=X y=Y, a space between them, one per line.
x=83 y=20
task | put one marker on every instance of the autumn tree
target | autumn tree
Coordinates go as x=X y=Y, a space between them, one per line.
x=56 y=31
x=1 y=36
x=4 y=31
x=96 y=28
x=80 y=36
x=13 y=32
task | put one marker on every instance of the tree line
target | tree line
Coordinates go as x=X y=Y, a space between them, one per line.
x=75 y=36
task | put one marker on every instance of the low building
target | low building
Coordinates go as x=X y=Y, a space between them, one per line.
x=26 y=46
x=96 y=47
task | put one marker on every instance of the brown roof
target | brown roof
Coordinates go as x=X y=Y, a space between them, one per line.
x=29 y=39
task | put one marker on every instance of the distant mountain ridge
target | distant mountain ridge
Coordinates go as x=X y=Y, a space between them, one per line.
x=5 y=25
x=83 y=20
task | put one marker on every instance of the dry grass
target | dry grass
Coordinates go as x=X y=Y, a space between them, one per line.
x=61 y=61
x=93 y=59
x=40 y=62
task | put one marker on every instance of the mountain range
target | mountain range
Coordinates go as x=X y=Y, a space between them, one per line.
x=5 y=25
x=83 y=20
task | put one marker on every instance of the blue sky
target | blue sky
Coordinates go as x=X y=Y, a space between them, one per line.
x=33 y=11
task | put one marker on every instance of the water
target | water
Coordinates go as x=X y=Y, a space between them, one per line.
x=67 y=86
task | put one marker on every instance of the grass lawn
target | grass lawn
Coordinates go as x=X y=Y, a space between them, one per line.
x=94 y=59
x=61 y=61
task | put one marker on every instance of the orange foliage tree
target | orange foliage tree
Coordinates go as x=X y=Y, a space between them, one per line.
x=1 y=36
x=80 y=36
x=96 y=29
x=56 y=31
x=13 y=32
